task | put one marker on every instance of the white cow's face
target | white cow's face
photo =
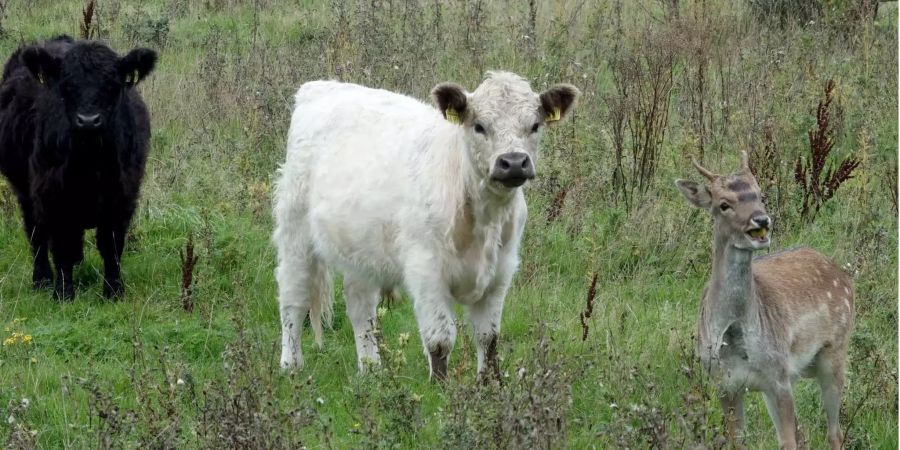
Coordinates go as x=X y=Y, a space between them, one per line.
x=503 y=120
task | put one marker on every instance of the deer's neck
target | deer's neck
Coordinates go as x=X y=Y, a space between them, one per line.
x=730 y=298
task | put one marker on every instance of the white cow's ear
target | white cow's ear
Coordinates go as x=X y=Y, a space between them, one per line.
x=557 y=101
x=451 y=99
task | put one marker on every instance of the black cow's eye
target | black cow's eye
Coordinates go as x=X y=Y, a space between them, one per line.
x=724 y=206
x=479 y=129
x=535 y=127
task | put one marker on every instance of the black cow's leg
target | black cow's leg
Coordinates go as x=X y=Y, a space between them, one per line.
x=67 y=248
x=42 y=274
x=110 y=242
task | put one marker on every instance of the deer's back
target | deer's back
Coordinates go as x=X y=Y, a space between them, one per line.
x=807 y=299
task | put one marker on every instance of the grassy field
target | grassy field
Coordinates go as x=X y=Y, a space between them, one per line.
x=662 y=81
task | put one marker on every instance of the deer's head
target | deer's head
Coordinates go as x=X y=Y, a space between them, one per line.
x=735 y=203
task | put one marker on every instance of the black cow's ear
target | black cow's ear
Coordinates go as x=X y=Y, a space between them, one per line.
x=136 y=65
x=451 y=99
x=43 y=66
x=557 y=101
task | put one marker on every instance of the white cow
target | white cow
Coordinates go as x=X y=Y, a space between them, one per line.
x=390 y=191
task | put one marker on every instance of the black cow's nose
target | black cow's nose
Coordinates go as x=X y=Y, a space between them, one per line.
x=762 y=221
x=513 y=169
x=88 y=121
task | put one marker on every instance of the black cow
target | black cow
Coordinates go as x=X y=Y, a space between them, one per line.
x=74 y=136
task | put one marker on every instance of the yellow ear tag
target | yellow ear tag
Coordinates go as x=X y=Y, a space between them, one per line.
x=452 y=116
x=555 y=115
x=135 y=77
x=41 y=77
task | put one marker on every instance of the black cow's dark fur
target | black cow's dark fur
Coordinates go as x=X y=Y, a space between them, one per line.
x=74 y=136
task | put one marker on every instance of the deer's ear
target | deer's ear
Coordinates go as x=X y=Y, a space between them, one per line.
x=695 y=193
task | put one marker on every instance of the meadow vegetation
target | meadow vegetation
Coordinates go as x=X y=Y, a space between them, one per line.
x=598 y=330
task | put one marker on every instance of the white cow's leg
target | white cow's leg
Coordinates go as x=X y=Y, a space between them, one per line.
x=437 y=329
x=362 y=298
x=485 y=317
x=486 y=314
x=295 y=272
x=432 y=304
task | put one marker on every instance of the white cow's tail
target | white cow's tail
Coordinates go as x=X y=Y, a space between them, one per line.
x=321 y=298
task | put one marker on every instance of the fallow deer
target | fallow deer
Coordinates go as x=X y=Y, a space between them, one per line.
x=766 y=321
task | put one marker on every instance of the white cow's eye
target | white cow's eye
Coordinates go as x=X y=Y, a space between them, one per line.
x=479 y=129
x=535 y=127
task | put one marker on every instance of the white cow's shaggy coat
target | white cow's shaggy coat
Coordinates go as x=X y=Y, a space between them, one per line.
x=382 y=188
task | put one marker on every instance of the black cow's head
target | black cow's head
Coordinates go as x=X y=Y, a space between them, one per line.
x=89 y=78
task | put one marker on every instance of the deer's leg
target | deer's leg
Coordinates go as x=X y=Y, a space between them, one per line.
x=780 y=403
x=733 y=408
x=830 y=374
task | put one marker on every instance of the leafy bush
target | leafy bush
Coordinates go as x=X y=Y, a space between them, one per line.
x=141 y=28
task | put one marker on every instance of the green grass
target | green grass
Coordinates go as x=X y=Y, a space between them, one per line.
x=220 y=102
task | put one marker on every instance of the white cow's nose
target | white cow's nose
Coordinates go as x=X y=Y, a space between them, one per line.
x=513 y=169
